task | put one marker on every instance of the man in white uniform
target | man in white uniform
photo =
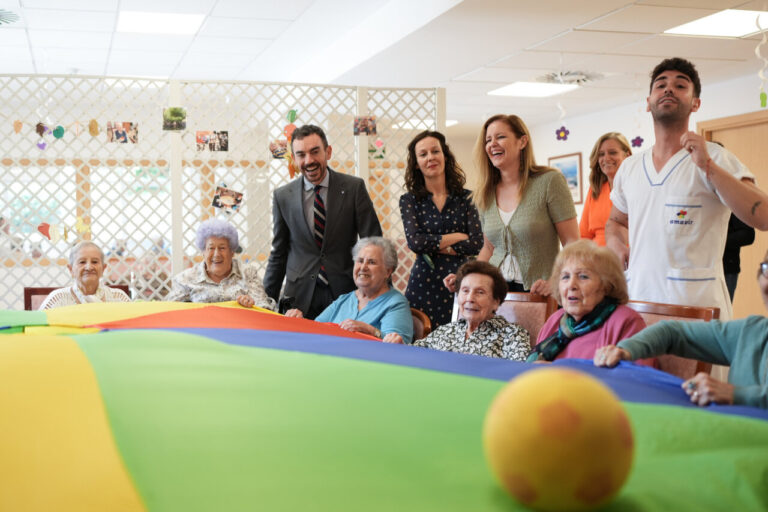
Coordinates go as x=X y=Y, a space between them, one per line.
x=671 y=203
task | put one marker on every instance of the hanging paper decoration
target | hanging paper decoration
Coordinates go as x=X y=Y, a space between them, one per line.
x=365 y=125
x=53 y=232
x=290 y=127
x=41 y=144
x=58 y=132
x=17 y=125
x=76 y=127
x=761 y=73
x=562 y=133
x=637 y=142
x=93 y=127
x=227 y=199
x=278 y=148
x=377 y=150
x=41 y=129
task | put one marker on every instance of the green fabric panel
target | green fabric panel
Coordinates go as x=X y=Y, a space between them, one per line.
x=203 y=425
x=13 y=318
x=13 y=330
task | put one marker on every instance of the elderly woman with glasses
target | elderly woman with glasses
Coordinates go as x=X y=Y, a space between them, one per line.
x=219 y=277
x=741 y=344
x=86 y=264
x=375 y=307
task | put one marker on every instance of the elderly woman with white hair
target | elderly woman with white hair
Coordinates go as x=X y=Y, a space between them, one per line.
x=375 y=307
x=219 y=277
x=86 y=264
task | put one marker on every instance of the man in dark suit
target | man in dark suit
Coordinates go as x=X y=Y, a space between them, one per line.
x=317 y=219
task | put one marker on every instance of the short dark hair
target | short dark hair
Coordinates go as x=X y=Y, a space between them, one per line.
x=414 y=179
x=307 y=130
x=486 y=269
x=684 y=66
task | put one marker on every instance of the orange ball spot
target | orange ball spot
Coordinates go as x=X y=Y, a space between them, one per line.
x=559 y=419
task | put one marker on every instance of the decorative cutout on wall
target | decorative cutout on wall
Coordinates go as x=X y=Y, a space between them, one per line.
x=562 y=133
x=226 y=199
x=637 y=142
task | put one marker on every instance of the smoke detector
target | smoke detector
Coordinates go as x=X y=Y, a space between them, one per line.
x=8 y=17
x=570 y=77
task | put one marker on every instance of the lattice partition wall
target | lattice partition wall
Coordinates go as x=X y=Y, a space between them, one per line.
x=401 y=115
x=120 y=195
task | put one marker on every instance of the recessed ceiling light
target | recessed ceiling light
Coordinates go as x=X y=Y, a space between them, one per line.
x=727 y=23
x=532 y=89
x=139 y=22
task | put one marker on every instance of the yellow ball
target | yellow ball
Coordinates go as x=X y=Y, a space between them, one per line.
x=558 y=439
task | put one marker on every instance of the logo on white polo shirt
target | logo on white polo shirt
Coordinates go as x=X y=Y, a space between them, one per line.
x=680 y=218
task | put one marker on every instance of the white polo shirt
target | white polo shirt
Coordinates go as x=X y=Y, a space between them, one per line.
x=677 y=228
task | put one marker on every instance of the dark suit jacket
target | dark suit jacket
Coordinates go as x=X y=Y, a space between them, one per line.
x=296 y=257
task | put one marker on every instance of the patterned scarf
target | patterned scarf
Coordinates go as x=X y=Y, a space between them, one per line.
x=569 y=329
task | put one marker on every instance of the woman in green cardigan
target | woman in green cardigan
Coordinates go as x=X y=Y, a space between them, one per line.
x=526 y=209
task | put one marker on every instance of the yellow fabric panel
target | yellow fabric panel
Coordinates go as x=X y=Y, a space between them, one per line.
x=56 y=447
x=102 y=312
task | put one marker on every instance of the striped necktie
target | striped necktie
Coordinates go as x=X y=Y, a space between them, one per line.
x=319 y=230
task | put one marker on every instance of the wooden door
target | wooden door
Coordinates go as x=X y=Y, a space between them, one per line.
x=746 y=136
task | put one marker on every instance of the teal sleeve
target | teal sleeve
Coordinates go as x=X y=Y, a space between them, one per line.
x=398 y=319
x=695 y=340
x=756 y=396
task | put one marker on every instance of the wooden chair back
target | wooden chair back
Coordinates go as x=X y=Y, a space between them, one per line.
x=34 y=296
x=526 y=309
x=653 y=312
x=422 y=326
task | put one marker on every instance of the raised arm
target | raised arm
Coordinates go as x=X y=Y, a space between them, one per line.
x=748 y=203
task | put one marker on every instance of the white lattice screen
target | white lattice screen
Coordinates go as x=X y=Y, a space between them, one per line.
x=142 y=202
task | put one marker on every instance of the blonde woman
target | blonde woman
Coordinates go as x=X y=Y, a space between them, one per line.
x=526 y=209
x=609 y=151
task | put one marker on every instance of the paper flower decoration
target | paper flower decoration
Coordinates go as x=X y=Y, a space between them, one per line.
x=17 y=126
x=562 y=133
x=58 y=132
x=637 y=142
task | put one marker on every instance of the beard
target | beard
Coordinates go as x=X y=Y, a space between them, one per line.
x=664 y=114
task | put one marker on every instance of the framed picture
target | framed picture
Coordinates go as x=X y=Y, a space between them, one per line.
x=570 y=166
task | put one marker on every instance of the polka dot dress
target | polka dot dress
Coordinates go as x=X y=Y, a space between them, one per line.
x=424 y=226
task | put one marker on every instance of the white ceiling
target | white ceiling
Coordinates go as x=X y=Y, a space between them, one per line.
x=472 y=47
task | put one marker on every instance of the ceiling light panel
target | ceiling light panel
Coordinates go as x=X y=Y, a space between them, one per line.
x=727 y=23
x=142 y=22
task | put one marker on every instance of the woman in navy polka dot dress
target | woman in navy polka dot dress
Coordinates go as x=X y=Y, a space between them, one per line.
x=441 y=223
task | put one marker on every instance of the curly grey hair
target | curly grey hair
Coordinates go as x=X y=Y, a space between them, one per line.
x=387 y=248
x=216 y=228
x=76 y=249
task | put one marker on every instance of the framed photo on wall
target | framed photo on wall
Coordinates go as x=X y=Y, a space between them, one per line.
x=570 y=166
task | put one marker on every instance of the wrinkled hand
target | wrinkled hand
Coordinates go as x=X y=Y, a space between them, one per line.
x=392 y=337
x=450 y=282
x=610 y=356
x=541 y=287
x=704 y=389
x=357 y=326
x=294 y=313
x=696 y=145
x=245 y=300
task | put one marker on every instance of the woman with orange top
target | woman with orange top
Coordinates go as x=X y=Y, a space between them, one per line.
x=610 y=150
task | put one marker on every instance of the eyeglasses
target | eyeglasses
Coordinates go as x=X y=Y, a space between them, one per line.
x=764 y=269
